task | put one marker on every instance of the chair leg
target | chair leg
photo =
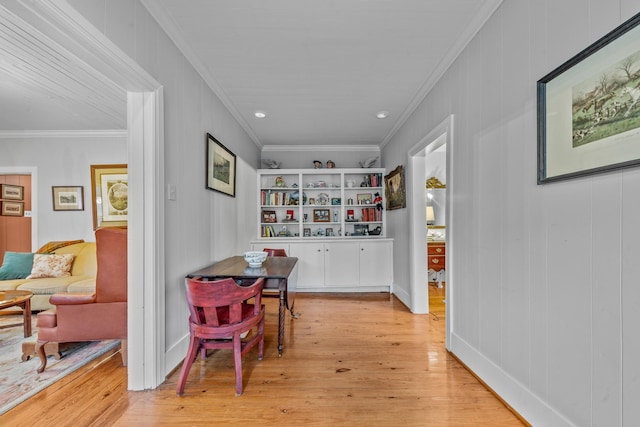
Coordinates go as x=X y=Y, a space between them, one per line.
x=237 y=358
x=192 y=352
x=261 y=342
x=41 y=354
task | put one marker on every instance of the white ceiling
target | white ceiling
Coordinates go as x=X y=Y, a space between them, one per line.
x=320 y=69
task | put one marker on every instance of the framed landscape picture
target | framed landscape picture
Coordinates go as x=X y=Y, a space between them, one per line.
x=221 y=168
x=589 y=109
x=68 y=198
x=109 y=195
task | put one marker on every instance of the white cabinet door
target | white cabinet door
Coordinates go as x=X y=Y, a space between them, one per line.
x=341 y=264
x=310 y=263
x=376 y=263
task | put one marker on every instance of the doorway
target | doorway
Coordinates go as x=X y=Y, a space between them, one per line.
x=439 y=137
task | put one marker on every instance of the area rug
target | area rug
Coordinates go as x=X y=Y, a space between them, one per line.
x=19 y=380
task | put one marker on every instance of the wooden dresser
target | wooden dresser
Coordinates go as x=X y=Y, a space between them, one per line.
x=436 y=261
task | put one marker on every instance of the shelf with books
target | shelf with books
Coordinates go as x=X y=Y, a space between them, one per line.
x=327 y=203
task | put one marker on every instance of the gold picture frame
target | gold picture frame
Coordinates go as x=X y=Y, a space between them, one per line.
x=109 y=195
x=395 y=189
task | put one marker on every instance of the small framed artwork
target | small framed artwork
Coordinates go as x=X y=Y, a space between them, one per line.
x=321 y=215
x=289 y=216
x=312 y=201
x=109 y=195
x=11 y=208
x=11 y=192
x=335 y=201
x=588 y=109
x=68 y=198
x=395 y=189
x=306 y=232
x=364 y=199
x=350 y=215
x=360 y=229
x=269 y=216
x=221 y=168
x=328 y=232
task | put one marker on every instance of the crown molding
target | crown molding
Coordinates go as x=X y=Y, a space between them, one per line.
x=319 y=148
x=27 y=134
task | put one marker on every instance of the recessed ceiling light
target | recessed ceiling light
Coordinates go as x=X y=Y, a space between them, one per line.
x=382 y=114
x=260 y=114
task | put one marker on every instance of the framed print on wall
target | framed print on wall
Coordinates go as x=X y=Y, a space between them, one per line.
x=10 y=208
x=395 y=189
x=109 y=195
x=11 y=192
x=589 y=109
x=68 y=198
x=221 y=167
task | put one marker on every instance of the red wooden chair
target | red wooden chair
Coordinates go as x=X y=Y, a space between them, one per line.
x=220 y=317
x=275 y=252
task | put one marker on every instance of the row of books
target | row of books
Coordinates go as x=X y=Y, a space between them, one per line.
x=371 y=214
x=275 y=198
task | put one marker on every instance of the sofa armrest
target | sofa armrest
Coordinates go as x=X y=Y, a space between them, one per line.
x=73 y=299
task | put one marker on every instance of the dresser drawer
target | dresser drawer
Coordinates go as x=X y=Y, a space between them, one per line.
x=436 y=262
x=436 y=249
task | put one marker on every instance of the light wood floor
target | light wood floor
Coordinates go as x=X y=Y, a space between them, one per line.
x=349 y=360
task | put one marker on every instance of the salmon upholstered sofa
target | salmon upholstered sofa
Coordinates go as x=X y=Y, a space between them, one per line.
x=82 y=276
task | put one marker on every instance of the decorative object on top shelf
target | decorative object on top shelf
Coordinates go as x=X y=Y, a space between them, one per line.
x=280 y=182
x=369 y=162
x=588 y=109
x=434 y=182
x=271 y=164
x=317 y=164
x=330 y=164
x=255 y=258
x=221 y=168
x=395 y=189
x=11 y=192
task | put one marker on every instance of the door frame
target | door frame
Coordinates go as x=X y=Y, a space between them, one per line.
x=439 y=135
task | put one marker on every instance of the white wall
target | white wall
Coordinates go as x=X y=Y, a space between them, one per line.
x=62 y=161
x=200 y=224
x=545 y=291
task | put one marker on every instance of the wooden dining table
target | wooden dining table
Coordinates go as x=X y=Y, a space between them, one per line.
x=280 y=273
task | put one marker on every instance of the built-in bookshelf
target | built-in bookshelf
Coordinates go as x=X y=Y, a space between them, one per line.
x=321 y=203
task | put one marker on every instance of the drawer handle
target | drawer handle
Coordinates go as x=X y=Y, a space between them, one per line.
x=438 y=250
x=435 y=260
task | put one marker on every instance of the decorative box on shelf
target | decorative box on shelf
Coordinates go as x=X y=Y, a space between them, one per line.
x=321 y=203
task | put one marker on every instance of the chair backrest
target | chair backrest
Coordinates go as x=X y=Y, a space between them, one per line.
x=111 y=255
x=219 y=302
x=275 y=252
